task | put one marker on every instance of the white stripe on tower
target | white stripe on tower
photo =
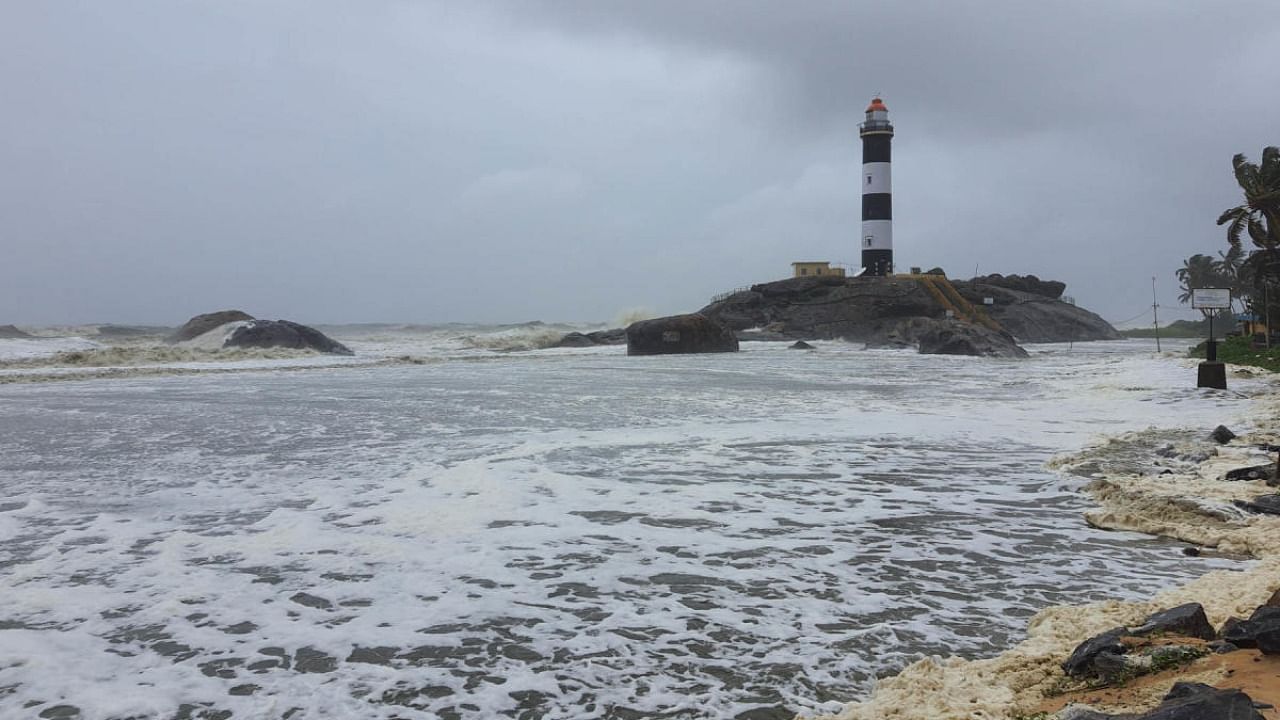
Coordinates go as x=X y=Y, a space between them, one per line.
x=877 y=195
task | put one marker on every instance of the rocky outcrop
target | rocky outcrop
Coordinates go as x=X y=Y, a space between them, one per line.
x=1036 y=318
x=616 y=336
x=872 y=309
x=693 y=333
x=953 y=337
x=201 y=324
x=826 y=307
x=1024 y=283
x=9 y=332
x=284 y=334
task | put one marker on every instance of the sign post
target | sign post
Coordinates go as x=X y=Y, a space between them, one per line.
x=1211 y=374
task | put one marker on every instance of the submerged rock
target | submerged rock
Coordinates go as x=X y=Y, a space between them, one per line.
x=678 y=334
x=1265 y=471
x=616 y=336
x=9 y=332
x=1262 y=504
x=201 y=324
x=801 y=345
x=284 y=334
x=1222 y=435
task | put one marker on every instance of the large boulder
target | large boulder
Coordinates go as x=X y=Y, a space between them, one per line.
x=9 y=332
x=953 y=337
x=283 y=334
x=694 y=333
x=201 y=324
x=1186 y=701
x=1187 y=620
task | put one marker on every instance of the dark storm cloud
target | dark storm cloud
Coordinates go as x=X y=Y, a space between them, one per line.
x=350 y=161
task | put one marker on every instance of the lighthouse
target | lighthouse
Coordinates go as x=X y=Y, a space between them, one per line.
x=877 y=201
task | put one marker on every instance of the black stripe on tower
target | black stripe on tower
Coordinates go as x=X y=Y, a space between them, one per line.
x=875 y=148
x=877 y=206
x=877 y=262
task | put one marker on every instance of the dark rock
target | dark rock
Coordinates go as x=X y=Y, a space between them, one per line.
x=284 y=334
x=1024 y=283
x=1222 y=435
x=1265 y=612
x=1080 y=664
x=9 y=332
x=801 y=345
x=1191 y=551
x=953 y=337
x=1262 y=504
x=1188 y=701
x=616 y=336
x=201 y=324
x=936 y=271
x=677 y=334
x=575 y=339
x=1222 y=647
x=1253 y=472
x=1268 y=639
x=1273 y=601
x=1197 y=701
x=1185 y=620
x=1250 y=633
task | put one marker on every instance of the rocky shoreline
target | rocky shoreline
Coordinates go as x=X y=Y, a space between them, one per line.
x=1190 y=652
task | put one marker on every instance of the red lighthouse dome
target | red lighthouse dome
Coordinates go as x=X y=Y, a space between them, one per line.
x=877 y=105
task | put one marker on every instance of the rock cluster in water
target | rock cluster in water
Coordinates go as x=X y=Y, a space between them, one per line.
x=986 y=316
x=246 y=331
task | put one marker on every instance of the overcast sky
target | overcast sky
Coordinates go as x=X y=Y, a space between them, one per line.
x=509 y=161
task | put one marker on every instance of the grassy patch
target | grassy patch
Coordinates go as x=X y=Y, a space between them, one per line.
x=1237 y=351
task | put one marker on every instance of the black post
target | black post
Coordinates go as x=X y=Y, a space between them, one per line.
x=1211 y=352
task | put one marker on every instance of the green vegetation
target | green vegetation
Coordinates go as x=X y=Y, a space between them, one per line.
x=1239 y=351
x=1176 y=329
x=1253 y=275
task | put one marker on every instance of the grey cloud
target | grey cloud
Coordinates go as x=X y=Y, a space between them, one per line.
x=337 y=161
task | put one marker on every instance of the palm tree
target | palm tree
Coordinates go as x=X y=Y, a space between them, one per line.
x=1260 y=217
x=1197 y=271
x=1260 y=213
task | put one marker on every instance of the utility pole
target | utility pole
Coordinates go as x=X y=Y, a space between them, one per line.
x=1155 y=312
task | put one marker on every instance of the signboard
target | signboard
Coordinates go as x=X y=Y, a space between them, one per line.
x=1210 y=298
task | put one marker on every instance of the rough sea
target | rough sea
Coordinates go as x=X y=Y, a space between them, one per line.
x=443 y=528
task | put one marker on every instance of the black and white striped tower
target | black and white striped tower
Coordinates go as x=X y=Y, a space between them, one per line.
x=877 y=200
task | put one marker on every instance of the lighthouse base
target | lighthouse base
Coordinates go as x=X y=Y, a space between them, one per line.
x=877 y=262
x=1212 y=375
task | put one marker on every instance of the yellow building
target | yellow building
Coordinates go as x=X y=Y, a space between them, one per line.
x=805 y=269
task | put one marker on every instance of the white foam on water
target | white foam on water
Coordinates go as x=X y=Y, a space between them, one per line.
x=557 y=534
x=39 y=347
